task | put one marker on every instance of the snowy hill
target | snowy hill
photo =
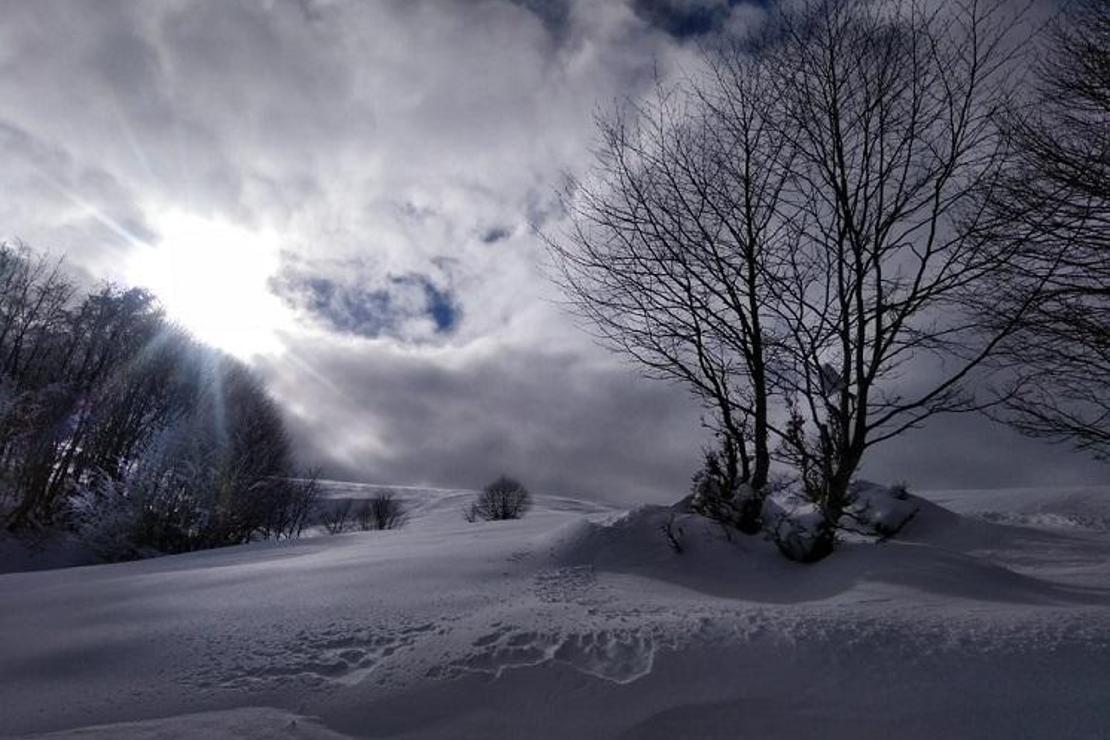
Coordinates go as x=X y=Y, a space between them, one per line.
x=989 y=617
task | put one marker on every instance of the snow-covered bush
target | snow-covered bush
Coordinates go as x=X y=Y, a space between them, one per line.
x=804 y=538
x=803 y=531
x=795 y=525
x=108 y=520
x=100 y=386
x=188 y=488
x=384 y=511
x=505 y=498
x=878 y=510
x=720 y=495
x=221 y=474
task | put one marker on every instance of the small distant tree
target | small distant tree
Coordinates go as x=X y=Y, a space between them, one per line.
x=289 y=507
x=337 y=517
x=107 y=519
x=384 y=511
x=505 y=498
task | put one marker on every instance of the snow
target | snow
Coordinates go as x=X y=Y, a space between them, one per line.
x=44 y=551
x=255 y=723
x=988 y=615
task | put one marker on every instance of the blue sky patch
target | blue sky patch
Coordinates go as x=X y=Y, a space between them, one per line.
x=385 y=311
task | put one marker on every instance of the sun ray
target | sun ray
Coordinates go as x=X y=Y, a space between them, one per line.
x=89 y=209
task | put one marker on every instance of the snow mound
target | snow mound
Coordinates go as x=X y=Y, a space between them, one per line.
x=638 y=540
x=938 y=552
x=883 y=510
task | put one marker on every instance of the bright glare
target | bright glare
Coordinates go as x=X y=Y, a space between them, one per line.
x=213 y=278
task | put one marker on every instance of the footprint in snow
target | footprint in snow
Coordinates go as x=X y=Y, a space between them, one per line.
x=338 y=653
x=616 y=655
x=563 y=585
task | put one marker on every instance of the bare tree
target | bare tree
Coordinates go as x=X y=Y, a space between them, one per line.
x=892 y=111
x=1053 y=207
x=788 y=232
x=383 y=511
x=337 y=516
x=668 y=238
x=504 y=498
x=106 y=404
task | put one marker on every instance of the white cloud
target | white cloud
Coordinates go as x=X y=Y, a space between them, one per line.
x=397 y=136
x=391 y=138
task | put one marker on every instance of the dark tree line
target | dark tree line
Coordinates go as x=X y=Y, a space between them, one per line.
x=109 y=412
x=804 y=234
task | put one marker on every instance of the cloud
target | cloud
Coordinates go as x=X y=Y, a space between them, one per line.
x=554 y=14
x=970 y=451
x=684 y=18
x=561 y=422
x=402 y=151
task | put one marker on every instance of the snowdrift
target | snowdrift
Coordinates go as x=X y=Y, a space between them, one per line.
x=580 y=620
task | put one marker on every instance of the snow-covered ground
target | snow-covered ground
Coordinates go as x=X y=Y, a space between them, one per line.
x=988 y=617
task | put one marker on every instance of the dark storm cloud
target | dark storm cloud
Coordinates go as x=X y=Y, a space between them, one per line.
x=970 y=451
x=560 y=422
x=678 y=18
x=495 y=234
x=566 y=424
x=684 y=18
x=555 y=14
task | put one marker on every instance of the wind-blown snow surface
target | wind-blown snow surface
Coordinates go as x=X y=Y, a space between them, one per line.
x=580 y=621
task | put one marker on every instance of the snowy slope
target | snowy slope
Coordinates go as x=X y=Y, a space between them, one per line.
x=580 y=621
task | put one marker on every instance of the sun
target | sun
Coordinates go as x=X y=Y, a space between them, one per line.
x=213 y=278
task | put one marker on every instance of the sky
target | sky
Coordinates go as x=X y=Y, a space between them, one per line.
x=346 y=194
